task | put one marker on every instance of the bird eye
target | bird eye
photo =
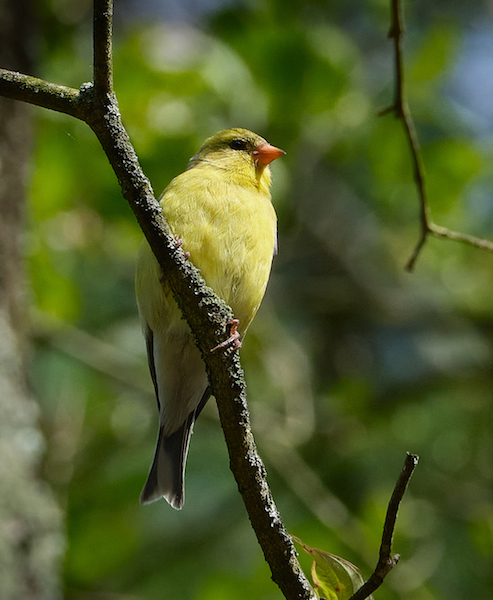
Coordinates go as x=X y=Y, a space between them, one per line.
x=238 y=144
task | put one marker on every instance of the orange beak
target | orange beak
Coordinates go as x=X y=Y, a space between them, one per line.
x=265 y=154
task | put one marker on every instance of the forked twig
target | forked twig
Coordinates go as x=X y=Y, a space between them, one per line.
x=400 y=108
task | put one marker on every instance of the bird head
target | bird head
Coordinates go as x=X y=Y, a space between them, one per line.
x=243 y=154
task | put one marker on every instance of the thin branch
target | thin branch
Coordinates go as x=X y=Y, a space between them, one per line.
x=386 y=561
x=203 y=310
x=455 y=236
x=103 y=47
x=401 y=110
x=25 y=88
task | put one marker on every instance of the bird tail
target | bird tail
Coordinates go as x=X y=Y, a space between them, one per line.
x=168 y=467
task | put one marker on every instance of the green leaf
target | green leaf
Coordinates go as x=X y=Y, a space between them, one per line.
x=334 y=577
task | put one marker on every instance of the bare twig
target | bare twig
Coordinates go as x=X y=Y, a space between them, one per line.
x=386 y=561
x=456 y=236
x=205 y=312
x=18 y=86
x=401 y=110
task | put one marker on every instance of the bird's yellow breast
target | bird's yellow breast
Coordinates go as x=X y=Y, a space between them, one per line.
x=229 y=231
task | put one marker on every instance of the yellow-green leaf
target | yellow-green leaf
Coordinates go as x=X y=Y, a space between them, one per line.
x=334 y=577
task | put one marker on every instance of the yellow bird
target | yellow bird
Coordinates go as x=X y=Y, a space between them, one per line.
x=221 y=211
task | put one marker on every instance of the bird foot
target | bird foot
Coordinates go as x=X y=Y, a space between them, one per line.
x=179 y=244
x=233 y=340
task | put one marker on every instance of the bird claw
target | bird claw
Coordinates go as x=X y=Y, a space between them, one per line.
x=233 y=340
x=179 y=244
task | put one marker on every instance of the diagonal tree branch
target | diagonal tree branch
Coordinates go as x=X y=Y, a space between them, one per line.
x=205 y=312
x=400 y=108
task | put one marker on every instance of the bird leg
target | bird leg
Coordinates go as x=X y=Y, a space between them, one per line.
x=234 y=337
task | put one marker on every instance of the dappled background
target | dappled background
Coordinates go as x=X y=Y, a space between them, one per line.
x=351 y=360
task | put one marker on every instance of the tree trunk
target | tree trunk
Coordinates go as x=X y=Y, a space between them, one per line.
x=31 y=537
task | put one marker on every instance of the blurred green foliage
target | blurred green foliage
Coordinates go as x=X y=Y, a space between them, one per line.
x=351 y=361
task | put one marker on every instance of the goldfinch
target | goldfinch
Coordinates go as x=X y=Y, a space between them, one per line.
x=221 y=211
